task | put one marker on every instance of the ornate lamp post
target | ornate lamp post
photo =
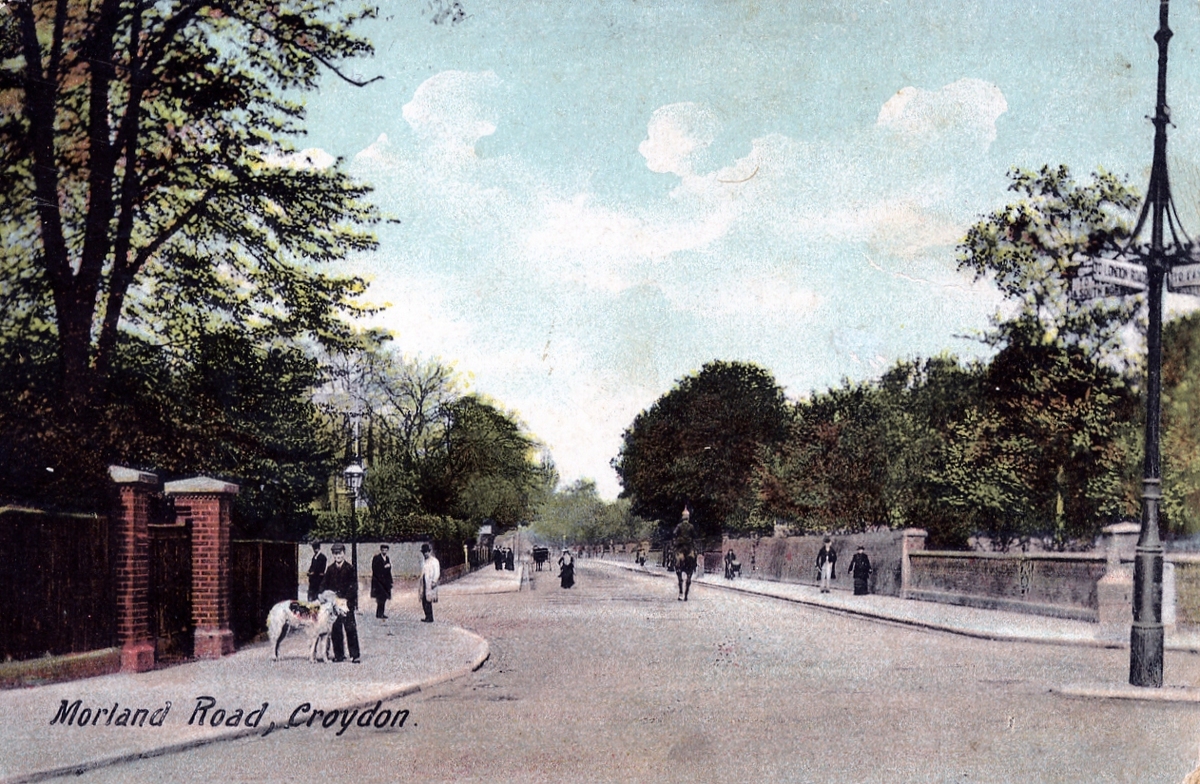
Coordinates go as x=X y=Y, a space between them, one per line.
x=354 y=477
x=1145 y=266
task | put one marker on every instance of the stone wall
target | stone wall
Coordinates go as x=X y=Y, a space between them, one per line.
x=1187 y=588
x=793 y=559
x=1061 y=585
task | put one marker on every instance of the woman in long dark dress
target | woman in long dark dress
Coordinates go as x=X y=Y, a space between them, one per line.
x=860 y=570
x=567 y=569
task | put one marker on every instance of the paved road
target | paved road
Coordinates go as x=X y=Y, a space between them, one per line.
x=617 y=681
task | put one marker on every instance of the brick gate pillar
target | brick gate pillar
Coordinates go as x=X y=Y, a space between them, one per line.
x=208 y=504
x=134 y=489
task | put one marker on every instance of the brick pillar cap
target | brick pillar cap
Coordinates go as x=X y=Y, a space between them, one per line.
x=131 y=476
x=1126 y=528
x=915 y=532
x=200 y=484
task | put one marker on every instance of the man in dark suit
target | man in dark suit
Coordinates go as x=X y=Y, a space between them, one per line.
x=316 y=571
x=381 y=580
x=341 y=579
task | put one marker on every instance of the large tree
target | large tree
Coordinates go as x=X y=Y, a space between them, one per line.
x=147 y=165
x=699 y=444
x=1034 y=248
x=1045 y=453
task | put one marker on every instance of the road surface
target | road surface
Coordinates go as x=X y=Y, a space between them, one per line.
x=616 y=680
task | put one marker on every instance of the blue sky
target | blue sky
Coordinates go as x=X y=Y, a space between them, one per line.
x=596 y=198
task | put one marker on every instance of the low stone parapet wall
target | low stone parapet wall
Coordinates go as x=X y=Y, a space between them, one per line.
x=1061 y=585
x=1187 y=588
x=793 y=559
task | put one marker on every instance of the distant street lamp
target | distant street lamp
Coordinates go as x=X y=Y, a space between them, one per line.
x=1132 y=268
x=354 y=477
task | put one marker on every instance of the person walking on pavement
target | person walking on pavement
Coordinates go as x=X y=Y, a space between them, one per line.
x=566 y=564
x=860 y=570
x=498 y=558
x=341 y=578
x=431 y=572
x=381 y=580
x=316 y=571
x=827 y=565
x=730 y=560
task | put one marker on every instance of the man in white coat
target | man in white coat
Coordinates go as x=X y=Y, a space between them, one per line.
x=431 y=572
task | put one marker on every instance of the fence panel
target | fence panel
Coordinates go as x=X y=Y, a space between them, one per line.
x=261 y=574
x=57 y=583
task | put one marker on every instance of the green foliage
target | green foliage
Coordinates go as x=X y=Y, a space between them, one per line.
x=150 y=194
x=1033 y=248
x=699 y=444
x=429 y=450
x=577 y=514
x=1181 y=426
x=1042 y=455
x=868 y=455
x=485 y=468
x=372 y=526
x=829 y=473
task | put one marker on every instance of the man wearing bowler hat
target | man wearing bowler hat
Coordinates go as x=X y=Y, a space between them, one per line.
x=341 y=579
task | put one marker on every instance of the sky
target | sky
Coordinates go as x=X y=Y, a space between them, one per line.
x=595 y=198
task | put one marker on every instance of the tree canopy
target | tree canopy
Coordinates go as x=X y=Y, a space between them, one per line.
x=699 y=444
x=147 y=166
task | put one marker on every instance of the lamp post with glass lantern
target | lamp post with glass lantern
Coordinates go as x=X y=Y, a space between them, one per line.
x=354 y=477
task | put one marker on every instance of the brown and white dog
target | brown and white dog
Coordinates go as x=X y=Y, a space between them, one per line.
x=319 y=615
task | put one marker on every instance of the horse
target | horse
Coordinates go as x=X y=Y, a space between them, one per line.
x=685 y=564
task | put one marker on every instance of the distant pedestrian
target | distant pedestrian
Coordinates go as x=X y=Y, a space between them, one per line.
x=340 y=578
x=860 y=570
x=566 y=564
x=431 y=572
x=498 y=558
x=381 y=580
x=509 y=557
x=316 y=571
x=827 y=564
x=730 y=560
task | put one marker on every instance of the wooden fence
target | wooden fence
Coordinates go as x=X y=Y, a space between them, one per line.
x=261 y=574
x=56 y=580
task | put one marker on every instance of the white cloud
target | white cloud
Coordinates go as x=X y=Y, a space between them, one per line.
x=451 y=110
x=419 y=315
x=966 y=108
x=582 y=225
x=532 y=282
x=677 y=133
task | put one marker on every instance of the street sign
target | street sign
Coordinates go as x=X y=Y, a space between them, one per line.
x=1109 y=278
x=1184 y=279
x=1127 y=274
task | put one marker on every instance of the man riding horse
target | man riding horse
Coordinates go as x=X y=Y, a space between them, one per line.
x=685 y=554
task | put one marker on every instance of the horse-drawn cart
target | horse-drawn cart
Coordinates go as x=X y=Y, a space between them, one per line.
x=540 y=556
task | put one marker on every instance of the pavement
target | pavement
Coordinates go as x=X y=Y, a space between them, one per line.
x=247 y=692
x=968 y=621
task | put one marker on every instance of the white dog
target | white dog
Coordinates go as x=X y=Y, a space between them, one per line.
x=292 y=614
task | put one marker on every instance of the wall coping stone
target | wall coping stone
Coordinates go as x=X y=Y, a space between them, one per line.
x=200 y=485
x=131 y=476
x=1042 y=556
